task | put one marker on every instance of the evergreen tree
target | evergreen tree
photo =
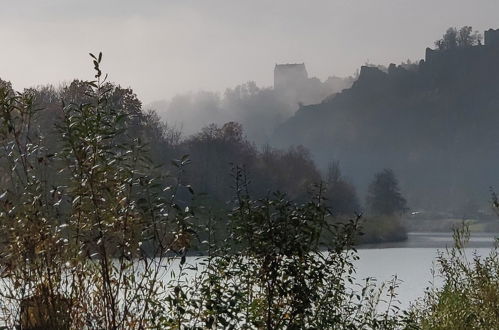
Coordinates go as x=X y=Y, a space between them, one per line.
x=384 y=197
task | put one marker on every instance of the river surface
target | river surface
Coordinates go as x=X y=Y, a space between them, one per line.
x=412 y=260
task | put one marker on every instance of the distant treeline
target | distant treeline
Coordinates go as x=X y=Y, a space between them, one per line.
x=214 y=152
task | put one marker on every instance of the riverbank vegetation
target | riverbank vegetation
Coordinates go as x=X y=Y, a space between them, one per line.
x=95 y=234
x=469 y=297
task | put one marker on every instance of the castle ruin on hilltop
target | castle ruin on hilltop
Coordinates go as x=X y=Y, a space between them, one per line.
x=491 y=42
x=289 y=75
x=478 y=63
x=293 y=86
x=491 y=37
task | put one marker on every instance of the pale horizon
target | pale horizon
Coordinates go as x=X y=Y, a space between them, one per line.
x=162 y=49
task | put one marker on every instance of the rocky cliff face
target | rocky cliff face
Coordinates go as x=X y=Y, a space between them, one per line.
x=437 y=126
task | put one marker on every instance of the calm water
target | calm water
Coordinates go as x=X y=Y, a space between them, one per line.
x=412 y=260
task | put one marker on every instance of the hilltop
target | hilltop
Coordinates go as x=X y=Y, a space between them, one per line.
x=435 y=123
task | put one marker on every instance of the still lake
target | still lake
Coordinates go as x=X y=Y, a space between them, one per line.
x=412 y=260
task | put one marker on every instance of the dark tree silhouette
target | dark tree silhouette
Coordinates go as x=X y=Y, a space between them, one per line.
x=341 y=195
x=454 y=38
x=384 y=197
x=215 y=150
x=466 y=37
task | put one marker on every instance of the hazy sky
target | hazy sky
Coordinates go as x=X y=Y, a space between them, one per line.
x=161 y=48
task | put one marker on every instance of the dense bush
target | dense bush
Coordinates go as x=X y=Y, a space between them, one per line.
x=382 y=228
x=85 y=231
x=469 y=297
x=285 y=266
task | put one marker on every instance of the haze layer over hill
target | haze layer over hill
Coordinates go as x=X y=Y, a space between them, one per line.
x=259 y=109
x=434 y=123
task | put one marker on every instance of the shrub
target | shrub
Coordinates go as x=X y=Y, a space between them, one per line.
x=469 y=297
x=382 y=228
x=284 y=266
x=87 y=231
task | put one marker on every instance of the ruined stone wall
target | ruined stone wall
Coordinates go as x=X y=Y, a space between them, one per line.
x=491 y=37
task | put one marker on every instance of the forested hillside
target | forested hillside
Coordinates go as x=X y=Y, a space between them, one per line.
x=434 y=123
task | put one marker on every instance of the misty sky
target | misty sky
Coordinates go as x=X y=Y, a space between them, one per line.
x=161 y=48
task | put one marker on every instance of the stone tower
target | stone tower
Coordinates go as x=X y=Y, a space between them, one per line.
x=289 y=75
x=491 y=37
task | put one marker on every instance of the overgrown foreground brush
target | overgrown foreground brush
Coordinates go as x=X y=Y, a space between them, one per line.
x=469 y=297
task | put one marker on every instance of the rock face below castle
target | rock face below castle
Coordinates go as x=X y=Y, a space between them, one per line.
x=293 y=86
